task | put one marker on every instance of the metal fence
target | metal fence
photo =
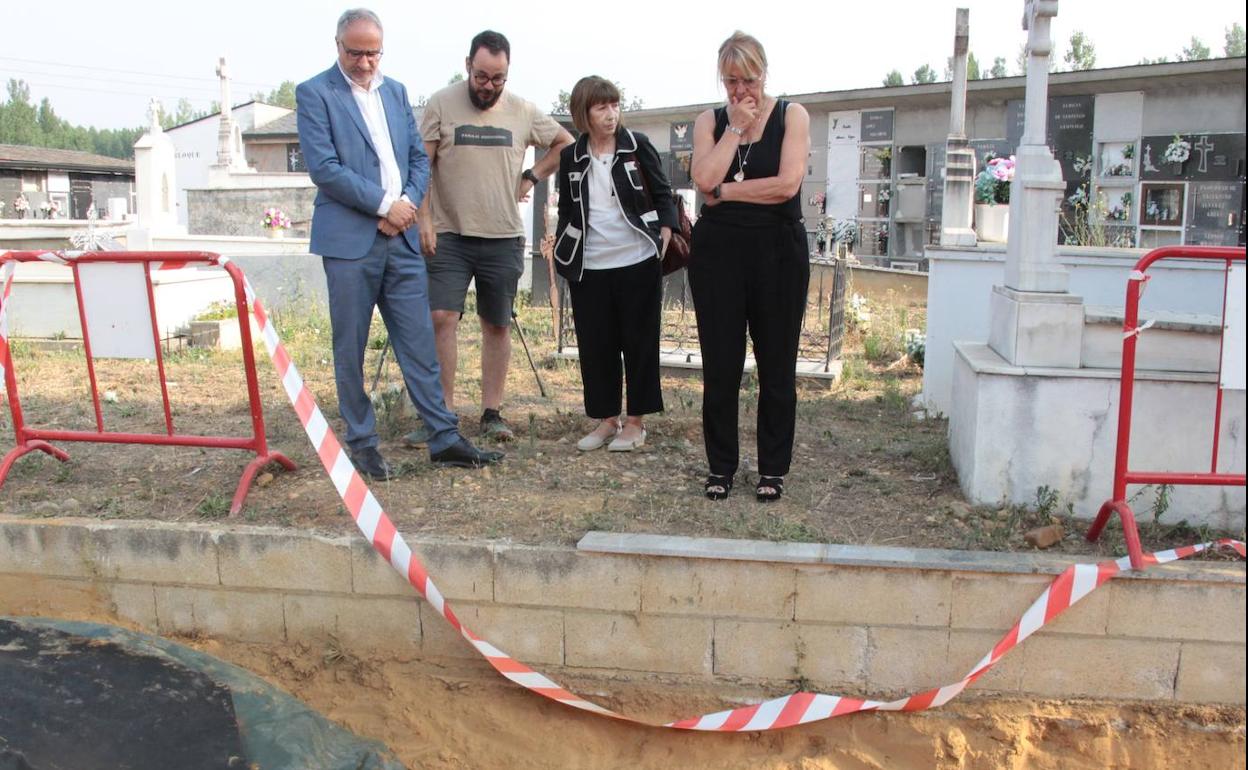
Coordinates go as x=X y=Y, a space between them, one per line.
x=823 y=325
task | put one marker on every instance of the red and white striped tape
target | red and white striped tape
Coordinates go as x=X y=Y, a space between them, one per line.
x=1069 y=588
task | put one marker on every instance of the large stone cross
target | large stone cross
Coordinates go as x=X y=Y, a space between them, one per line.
x=1035 y=320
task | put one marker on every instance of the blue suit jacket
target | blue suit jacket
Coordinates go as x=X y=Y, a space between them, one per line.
x=344 y=165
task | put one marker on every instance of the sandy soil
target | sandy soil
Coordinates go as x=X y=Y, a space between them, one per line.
x=461 y=715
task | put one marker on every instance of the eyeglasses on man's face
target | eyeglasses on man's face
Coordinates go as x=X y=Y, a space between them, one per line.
x=357 y=54
x=481 y=78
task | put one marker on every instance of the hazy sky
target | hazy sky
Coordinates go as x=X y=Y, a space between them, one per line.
x=99 y=64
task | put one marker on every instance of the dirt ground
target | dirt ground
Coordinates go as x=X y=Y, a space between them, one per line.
x=868 y=467
x=461 y=715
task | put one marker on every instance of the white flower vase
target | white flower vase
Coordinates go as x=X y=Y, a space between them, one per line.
x=992 y=222
x=277 y=232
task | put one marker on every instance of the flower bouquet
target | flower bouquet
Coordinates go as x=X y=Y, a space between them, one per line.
x=275 y=221
x=1177 y=152
x=992 y=198
x=21 y=206
x=992 y=186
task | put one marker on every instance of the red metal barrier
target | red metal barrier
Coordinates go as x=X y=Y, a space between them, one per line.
x=30 y=439
x=1131 y=332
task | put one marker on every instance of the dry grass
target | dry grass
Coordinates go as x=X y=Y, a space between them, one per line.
x=867 y=467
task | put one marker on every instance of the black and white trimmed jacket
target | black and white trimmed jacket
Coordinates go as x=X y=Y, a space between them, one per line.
x=647 y=203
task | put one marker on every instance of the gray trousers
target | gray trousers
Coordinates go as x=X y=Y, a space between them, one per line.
x=391 y=276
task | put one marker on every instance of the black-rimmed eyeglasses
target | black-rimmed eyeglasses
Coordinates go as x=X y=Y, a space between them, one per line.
x=480 y=78
x=356 y=53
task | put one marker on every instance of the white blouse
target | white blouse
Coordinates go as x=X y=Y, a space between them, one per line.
x=611 y=241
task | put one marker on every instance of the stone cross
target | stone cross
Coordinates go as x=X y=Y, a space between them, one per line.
x=1037 y=20
x=225 y=131
x=1035 y=321
x=1036 y=192
x=153 y=115
x=955 y=216
x=1204 y=147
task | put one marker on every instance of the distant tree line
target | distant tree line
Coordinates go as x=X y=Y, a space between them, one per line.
x=23 y=122
x=1080 y=55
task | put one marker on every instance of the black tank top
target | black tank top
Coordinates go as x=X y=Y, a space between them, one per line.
x=762 y=161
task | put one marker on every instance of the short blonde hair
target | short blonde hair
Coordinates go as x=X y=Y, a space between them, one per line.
x=745 y=53
x=589 y=92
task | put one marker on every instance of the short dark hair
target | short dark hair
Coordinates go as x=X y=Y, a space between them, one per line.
x=589 y=92
x=494 y=42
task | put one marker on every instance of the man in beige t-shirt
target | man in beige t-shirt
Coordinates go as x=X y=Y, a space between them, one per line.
x=476 y=136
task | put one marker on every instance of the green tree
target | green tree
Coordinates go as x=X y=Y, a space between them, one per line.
x=924 y=74
x=1194 y=51
x=19 y=122
x=972 y=67
x=1158 y=60
x=1082 y=54
x=998 y=68
x=184 y=113
x=1234 y=40
x=893 y=78
x=458 y=77
x=562 y=104
x=282 y=96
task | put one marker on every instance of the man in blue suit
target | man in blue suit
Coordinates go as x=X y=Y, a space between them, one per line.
x=363 y=152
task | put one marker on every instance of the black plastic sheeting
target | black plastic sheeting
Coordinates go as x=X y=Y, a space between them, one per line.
x=78 y=696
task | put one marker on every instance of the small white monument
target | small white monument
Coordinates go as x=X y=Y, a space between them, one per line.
x=955 y=217
x=1036 y=406
x=155 y=182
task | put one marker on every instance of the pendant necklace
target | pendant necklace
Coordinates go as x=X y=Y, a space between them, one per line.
x=741 y=162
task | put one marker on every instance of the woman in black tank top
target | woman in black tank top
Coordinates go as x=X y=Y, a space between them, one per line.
x=749 y=268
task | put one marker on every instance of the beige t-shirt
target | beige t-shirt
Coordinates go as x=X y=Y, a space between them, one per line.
x=479 y=159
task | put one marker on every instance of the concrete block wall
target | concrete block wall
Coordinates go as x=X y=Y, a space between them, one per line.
x=239 y=211
x=863 y=625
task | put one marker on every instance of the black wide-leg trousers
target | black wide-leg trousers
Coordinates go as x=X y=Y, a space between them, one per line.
x=616 y=313
x=749 y=277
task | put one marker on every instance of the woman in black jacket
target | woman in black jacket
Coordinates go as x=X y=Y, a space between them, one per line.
x=616 y=216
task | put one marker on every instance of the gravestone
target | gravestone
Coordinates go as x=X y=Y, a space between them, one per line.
x=1213 y=213
x=1211 y=158
x=877 y=126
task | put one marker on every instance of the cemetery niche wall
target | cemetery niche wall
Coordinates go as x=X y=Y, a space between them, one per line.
x=877 y=155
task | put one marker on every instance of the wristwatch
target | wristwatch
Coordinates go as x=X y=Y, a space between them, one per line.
x=715 y=191
x=529 y=175
x=735 y=130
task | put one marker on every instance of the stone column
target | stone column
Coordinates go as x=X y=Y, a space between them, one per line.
x=1035 y=321
x=230 y=158
x=154 y=182
x=955 y=217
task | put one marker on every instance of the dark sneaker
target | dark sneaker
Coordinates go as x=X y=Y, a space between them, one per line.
x=372 y=465
x=462 y=454
x=495 y=428
x=419 y=437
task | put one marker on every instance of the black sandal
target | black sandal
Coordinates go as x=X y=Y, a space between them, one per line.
x=769 y=489
x=718 y=486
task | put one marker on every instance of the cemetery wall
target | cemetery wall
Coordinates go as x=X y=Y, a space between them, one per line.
x=843 y=619
x=238 y=211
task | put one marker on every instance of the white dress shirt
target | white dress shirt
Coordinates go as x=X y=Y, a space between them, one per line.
x=369 y=102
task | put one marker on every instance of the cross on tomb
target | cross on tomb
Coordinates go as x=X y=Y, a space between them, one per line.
x=1204 y=147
